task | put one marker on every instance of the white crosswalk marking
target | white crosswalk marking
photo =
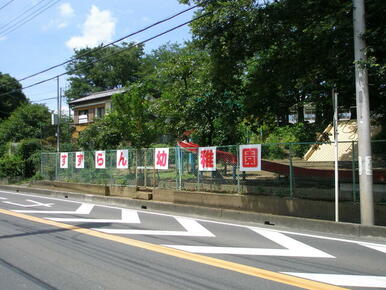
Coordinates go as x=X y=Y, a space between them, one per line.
x=193 y=228
x=128 y=216
x=84 y=208
x=344 y=280
x=292 y=248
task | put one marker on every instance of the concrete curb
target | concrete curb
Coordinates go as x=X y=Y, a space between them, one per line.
x=288 y=222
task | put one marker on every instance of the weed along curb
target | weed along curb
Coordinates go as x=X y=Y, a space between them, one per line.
x=268 y=210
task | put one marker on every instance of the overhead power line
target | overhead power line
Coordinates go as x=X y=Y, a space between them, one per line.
x=28 y=18
x=120 y=51
x=112 y=43
x=20 y=15
x=6 y=4
x=47 y=99
x=122 y=38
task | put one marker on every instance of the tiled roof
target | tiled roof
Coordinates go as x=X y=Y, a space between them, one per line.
x=98 y=95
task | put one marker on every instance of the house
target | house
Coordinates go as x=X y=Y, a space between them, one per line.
x=87 y=109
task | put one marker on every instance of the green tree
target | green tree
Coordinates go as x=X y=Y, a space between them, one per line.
x=97 y=69
x=27 y=121
x=133 y=115
x=375 y=39
x=29 y=151
x=179 y=73
x=188 y=101
x=100 y=135
x=289 y=51
x=11 y=95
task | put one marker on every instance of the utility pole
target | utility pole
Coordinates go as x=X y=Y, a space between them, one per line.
x=59 y=109
x=363 y=117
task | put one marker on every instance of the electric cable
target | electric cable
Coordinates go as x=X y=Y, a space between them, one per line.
x=47 y=99
x=115 y=41
x=20 y=15
x=26 y=20
x=120 y=51
x=122 y=38
x=6 y=4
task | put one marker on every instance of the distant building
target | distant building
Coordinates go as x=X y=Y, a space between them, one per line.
x=90 y=107
x=309 y=113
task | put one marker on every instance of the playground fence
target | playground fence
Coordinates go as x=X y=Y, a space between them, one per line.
x=285 y=170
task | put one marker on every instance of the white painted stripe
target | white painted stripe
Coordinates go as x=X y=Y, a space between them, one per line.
x=193 y=228
x=3 y=198
x=128 y=216
x=84 y=208
x=32 y=203
x=361 y=243
x=292 y=248
x=344 y=280
x=248 y=251
x=295 y=247
x=381 y=248
x=42 y=197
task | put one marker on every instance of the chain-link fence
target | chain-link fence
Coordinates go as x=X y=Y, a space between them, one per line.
x=287 y=169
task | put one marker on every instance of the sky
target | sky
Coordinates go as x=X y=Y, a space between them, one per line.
x=51 y=37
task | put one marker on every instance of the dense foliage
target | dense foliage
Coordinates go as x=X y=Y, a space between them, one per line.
x=251 y=65
x=23 y=135
x=97 y=69
x=292 y=52
x=11 y=95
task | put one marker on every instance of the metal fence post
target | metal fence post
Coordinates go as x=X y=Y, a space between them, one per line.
x=111 y=154
x=178 y=172
x=181 y=169
x=144 y=168
x=291 y=172
x=41 y=164
x=154 y=182
x=136 y=166
x=56 y=166
x=71 y=164
x=237 y=167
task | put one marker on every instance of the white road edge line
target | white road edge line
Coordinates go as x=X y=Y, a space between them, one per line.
x=344 y=280
x=83 y=209
x=128 y=216
x=33 y=203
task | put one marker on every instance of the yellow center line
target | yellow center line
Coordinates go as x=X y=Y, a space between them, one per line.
x=235 y=267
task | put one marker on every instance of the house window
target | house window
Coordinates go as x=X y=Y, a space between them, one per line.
x=309 y=113
x=99 y=112
x=83 y=116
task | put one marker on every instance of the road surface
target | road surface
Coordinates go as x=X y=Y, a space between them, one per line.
x=48 y=243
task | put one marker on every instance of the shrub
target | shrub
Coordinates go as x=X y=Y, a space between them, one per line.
x=300 y=132
x=11 y=166
x=29 y=151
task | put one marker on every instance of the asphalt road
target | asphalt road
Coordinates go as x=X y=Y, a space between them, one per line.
x=48 y=243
